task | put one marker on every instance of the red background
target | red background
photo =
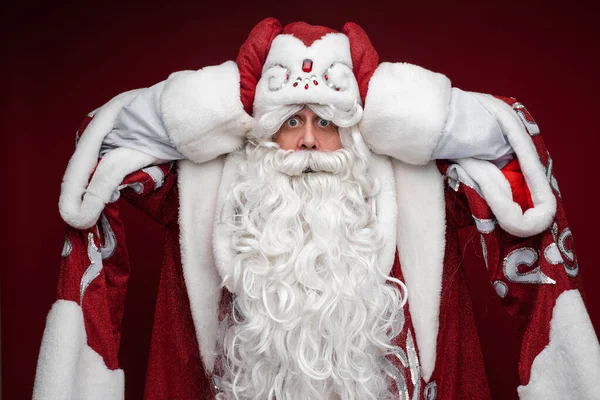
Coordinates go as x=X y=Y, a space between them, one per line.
x=61 y=62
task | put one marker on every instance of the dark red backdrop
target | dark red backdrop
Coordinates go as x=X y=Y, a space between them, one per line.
x=63 y=61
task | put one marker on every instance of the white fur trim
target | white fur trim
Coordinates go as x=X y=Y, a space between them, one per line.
x=286 y=56
x=569 y=366
x=198 y=188
x=82 y=164
x=224 y=254
x=387 y=210
x=421 y=246
x=109 y=174
x=495 y=187
x=202 y=112
x=67 y=367
x=405 y=111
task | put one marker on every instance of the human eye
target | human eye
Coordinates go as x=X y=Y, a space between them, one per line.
x=292 y=122
x=324 y=123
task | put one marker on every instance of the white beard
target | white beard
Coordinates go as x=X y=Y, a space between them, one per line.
x=312 y=313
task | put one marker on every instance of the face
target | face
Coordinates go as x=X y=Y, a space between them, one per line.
x=305 y=130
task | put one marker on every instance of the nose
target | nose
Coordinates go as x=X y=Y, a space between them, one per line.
x=307 y=139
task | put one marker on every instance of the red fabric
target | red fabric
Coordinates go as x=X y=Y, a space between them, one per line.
x=364 y=57
x=307 y=33
x=254 y=51
x=529 y=303
x=520 y=191
x=252 y=56
x=174 y=367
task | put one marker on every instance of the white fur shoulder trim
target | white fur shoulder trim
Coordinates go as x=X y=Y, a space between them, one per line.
x=495 y=187
x=421 y=247
x=405 y=111
x=67 y=367
x=569 y=367
x=202 y=112
x=198 y=189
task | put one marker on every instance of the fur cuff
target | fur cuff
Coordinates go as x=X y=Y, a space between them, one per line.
x=78 y=207
x=202 y=112
x=405 y=111
x=496 y=189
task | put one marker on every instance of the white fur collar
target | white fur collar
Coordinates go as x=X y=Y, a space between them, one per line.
x=198 y=188
x=421 y=247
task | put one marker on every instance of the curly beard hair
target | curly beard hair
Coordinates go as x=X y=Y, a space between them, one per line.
x=313 y=314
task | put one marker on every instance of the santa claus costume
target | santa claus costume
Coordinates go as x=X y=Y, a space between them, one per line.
x=438 y=159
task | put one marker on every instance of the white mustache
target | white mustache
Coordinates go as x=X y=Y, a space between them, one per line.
x=295 y=163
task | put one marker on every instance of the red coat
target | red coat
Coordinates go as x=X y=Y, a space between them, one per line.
x=536 y=278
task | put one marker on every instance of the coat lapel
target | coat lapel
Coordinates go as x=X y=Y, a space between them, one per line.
x=421 y=246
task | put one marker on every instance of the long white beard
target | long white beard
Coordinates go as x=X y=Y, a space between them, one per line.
x=313 y=314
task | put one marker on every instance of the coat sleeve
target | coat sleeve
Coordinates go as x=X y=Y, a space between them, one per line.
x=535 y=275
x=196 y=115
x=79 y=352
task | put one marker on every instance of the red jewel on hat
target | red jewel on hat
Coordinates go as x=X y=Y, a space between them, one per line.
x=307 y=65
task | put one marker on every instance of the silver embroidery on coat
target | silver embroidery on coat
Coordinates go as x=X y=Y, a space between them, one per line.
x=94 y=268
x=390 y=369
x=485 y=225
x=67 y=248
x=401 y=356
x=531 y=126
x=563 y=248
x=484 y=251
x=457 y=173
x=156 y=174
x=137 y=187
x=110 y=240
x=524 y=256
x=501 y=289
x=550 y=176
x=430 y=391
x=572 y=272
x=415 y=368
x=552 y=254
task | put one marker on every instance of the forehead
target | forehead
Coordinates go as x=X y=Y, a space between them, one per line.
x=305 y=112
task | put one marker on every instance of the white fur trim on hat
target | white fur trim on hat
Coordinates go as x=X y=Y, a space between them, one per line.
x=405 y=111
x=202 y=112
x=330 y=56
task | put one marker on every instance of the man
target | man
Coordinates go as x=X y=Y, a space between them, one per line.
x=309 y=197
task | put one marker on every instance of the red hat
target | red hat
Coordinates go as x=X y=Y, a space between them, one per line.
x=304 y=63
